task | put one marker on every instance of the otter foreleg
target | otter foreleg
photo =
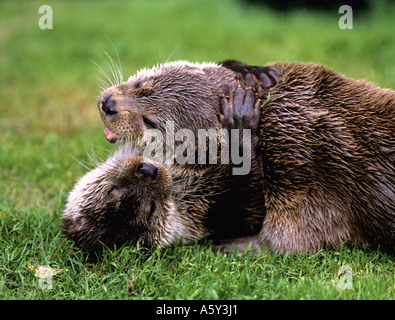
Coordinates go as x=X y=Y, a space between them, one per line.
x=241 y=111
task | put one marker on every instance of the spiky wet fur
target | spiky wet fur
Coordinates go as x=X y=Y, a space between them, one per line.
x=326 y=154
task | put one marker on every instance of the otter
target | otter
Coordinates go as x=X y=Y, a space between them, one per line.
x=130 y=198
x=124 y=198
x=326 y=144
x=186 y=93
x=324 y=162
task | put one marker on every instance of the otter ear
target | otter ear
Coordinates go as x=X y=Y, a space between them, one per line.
x=196 y=70
x=212 y=72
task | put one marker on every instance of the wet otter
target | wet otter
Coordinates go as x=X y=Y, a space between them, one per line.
x=326 y=143
x=186 y=93
x=129 y=199
x=122 y=199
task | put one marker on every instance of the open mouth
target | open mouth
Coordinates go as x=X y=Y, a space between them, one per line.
x=110 y=136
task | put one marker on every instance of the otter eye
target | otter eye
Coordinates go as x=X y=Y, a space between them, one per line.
x=152 y=208
x=113 y=188
x=148 y=123
x=141 y=89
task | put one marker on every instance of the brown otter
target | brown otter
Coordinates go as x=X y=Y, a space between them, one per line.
x=326 y=145
x=186 y=93
x=125 y=199
x=130 y=198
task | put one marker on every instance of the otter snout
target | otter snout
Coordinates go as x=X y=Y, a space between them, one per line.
x=108 y=106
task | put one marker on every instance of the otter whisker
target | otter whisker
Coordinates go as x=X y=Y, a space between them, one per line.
x=113 y=68
x=80 y=162
x=102 y=84
x=116 y=68
x=94 y=159
x=111 y=82
x=184 y=201
x=118 y=65
x=171 y=54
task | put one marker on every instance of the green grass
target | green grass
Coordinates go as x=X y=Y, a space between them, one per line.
x=48 y=118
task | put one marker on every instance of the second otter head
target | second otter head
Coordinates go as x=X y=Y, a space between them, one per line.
x=122 y=200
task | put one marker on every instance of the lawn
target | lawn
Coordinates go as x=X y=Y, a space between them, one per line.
x=51 y=133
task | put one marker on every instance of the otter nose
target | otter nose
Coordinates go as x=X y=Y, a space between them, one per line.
x=107 y=106
x=147 y=170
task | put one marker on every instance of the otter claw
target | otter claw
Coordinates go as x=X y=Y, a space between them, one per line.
x=240 y=111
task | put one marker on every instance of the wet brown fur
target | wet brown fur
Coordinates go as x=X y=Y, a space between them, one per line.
x=324 y=168
x=328 y=150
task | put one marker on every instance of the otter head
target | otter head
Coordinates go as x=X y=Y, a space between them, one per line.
x=186 y=93
x=125 y=199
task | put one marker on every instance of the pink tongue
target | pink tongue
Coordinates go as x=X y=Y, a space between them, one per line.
x=111 y=137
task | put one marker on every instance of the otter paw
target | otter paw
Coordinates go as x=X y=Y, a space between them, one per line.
x=240 y=110
x=265 y=77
